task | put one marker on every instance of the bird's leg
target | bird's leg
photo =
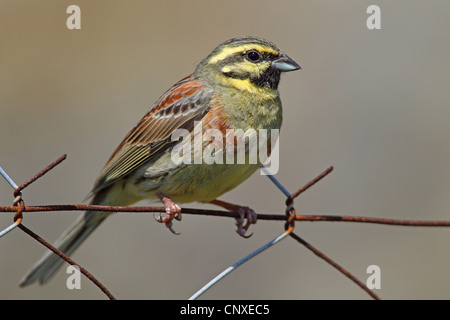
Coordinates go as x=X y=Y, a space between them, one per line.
x=173 y=211
x=244 y=213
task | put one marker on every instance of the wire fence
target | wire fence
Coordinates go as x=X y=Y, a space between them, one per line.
x=290 y=218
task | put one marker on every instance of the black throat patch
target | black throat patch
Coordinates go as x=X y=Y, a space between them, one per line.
x=269 y=79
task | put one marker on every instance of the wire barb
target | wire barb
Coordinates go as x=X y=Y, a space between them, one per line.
x=18 y=199
x=18 y=189
x=309 y=184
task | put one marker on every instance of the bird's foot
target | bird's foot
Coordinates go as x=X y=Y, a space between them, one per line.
x=245 y=213
x=173 y=211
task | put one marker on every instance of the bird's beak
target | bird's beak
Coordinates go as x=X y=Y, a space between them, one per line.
x=284 y=63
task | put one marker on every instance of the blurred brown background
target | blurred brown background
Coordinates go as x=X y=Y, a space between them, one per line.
x=374 y=104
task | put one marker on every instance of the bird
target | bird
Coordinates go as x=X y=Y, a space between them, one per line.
x=234 y=87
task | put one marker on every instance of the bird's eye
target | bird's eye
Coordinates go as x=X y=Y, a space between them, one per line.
x=253 y=56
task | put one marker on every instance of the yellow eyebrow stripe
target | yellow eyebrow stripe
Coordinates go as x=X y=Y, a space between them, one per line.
x=226 y=52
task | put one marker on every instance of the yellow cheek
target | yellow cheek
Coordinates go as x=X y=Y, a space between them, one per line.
x=255 y=69
x=246 y=85
x=246 y=67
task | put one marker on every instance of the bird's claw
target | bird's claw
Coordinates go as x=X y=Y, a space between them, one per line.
x=169 y=226
x=245 y=213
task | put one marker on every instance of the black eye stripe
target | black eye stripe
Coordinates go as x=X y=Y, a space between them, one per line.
x=238 y=56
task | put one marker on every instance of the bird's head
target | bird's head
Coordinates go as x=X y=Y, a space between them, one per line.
x=246 y=63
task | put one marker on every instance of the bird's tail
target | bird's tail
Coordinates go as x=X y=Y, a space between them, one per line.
x=68 y=242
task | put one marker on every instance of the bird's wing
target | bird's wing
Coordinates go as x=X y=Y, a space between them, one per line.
x=187 y=101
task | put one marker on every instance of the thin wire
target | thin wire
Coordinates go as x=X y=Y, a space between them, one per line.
x=10 y=228
x=237 y=264
x=7 y=178
x=276 y=182
x=14 y=185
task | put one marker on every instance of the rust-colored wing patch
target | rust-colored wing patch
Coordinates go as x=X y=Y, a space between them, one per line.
x=187 y=101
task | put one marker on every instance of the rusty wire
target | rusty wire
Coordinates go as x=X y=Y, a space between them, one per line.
x=229 y=214
x=18 y=221
x=290 y=217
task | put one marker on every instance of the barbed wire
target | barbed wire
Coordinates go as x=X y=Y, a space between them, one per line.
x=290 y=217
x=18 y=222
